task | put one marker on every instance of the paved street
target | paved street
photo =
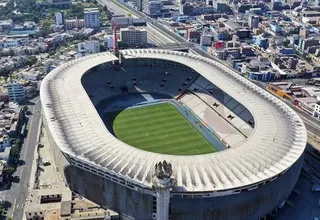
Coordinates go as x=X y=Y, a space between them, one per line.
x=17 y=194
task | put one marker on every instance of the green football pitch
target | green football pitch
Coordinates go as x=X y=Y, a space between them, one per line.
x=158 y=128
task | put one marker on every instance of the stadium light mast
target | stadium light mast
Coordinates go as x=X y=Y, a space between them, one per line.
x=116 y=52
x=115 y=40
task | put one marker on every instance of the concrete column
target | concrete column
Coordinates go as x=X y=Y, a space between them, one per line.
x=163 y=199
x=162 y=183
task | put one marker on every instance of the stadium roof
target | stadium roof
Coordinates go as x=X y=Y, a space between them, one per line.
x=276 y=143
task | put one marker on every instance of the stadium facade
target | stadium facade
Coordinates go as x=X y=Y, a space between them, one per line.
x=265 y=139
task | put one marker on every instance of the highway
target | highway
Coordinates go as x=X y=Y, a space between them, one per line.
x=18 y=191
x=153 y=35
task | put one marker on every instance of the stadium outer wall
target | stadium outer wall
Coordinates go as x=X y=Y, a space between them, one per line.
x=132 y=203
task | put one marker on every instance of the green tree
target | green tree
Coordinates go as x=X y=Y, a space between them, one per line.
x=1 y=209
x=15 y=152
x=102 y=48
x=25 y=108
x=9 y=171
x=46 y=28
x=31 y=60
x=11 y=52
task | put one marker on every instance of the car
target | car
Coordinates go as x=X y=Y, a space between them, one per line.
x=46 y=163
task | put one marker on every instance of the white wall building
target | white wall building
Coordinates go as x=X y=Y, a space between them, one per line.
x=6 y=24
x=206 y=40
x=108 y=42
x=88 y=47
x=92 y=18
x=9 y=41
x=74 y=23
x=316 y=111
x=16 y=92
x=133 y=36
x=59 y=18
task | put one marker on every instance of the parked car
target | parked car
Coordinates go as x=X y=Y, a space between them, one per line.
x=46 y=163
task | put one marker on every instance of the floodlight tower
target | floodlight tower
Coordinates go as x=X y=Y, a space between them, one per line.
x=115 y=40
x=115 y=47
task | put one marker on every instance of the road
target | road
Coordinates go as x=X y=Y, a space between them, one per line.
x=18 y=191
x=153 y=35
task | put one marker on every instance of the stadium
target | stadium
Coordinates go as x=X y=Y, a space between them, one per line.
x=156 y=134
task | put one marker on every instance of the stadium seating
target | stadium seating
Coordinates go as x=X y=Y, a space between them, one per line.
x=232 y=104
x=230 y=131
x=105 y=82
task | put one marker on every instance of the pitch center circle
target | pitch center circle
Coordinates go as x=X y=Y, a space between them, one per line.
x=157 y=134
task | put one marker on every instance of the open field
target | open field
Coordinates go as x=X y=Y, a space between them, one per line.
x=158 y=128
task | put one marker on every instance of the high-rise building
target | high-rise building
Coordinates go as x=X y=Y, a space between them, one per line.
x=133 y=36
x=139 y=5
x=59 y=18
x=16 y=91
x=92 y=18
x=253 y=21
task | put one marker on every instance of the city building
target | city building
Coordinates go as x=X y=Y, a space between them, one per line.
x=122 y=22
x=16 y=91
x=305 y=43
x=6 y=24
x=133 y=36
x=209 y=2
x=206 y=39
x=109 y=42
x=139 y=5
x=220 y=6
x=186 y=9
x=193 y=35
x=92 y=18
x=54 y=4
x=253 y=21
x=59 y=18
x=316 y=111
x=88 y=47
x=13 y=41
x=260 y=41
x=74 y=23
x=276 y=5
x=152 y=8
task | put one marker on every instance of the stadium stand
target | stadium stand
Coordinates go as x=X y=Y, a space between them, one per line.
x=230 y=131
x=223 y=98
x=137 y=77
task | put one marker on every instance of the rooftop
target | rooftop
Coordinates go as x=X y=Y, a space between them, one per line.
x=277 y=141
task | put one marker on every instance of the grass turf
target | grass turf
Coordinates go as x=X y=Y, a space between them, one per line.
x=159 y=128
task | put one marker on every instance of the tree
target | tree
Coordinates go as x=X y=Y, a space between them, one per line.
x=11 y=52
x=46 y=28
x=102 y=48
x=15 y=153
x=9 y=171
x=31 y=60
x=1 y=209
x=25 y=108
